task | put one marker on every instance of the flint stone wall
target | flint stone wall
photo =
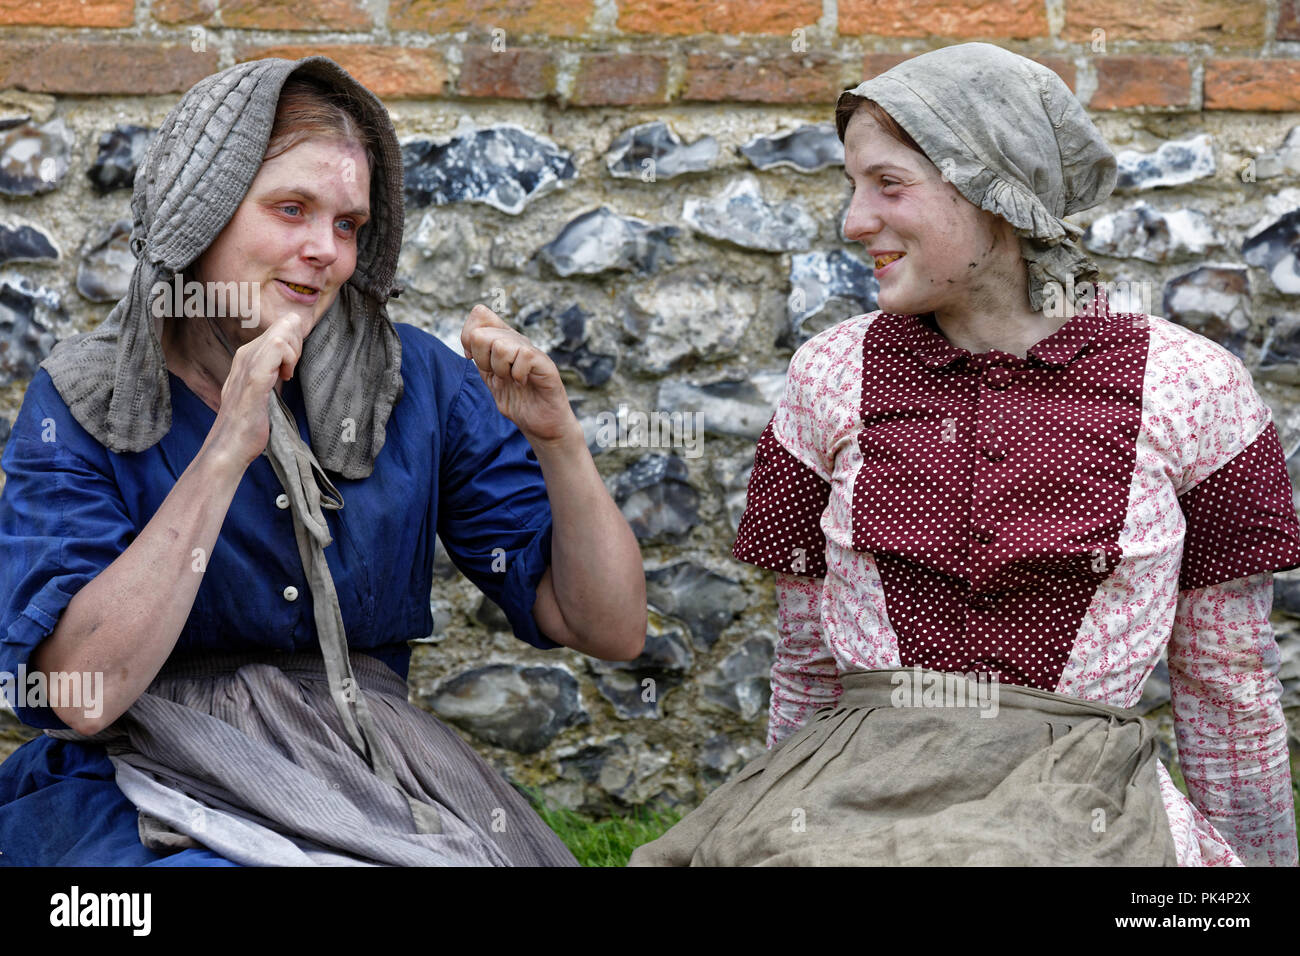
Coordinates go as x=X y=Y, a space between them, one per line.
x=659 y=206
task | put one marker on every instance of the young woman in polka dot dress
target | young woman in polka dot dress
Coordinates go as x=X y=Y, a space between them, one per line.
x=963 y=483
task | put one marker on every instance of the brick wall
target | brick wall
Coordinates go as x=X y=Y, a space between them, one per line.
x=1116 y=54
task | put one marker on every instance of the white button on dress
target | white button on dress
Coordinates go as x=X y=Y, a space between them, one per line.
x=291 y=593
x=282 y=501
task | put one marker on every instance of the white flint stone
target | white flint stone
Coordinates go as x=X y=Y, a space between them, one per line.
x=687 y=314
x=740 y=215
x=438 y=254
x=1193 y=295
x=1172 y=164
x=1276 y=248
x=745 y=415
x=107 y=263
x=34 y=159
x=1143 y=232
x=1127 y=294
x=1285 y=159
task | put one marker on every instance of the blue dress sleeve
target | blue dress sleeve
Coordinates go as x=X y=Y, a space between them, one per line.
x=62 y=521
x=494 y=518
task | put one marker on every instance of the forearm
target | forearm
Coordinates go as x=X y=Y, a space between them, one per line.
x=596 y=574
x=1238 y=775
x=1243 y=787
x=124 y=623
x=804 y=675
x=1231 y=733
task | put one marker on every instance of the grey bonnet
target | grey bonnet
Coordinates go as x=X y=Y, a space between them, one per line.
x=1011 y=137
x=197 y=171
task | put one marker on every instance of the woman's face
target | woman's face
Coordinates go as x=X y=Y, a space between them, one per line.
x=953 y=252
x=296 y=227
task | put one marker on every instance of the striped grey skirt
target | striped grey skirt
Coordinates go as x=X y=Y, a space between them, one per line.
x=889 y=778
x=247 y=755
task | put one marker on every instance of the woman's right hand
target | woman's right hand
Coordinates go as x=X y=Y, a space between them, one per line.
x=243 y=424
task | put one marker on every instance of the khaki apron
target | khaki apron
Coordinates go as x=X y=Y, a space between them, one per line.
x=882 y=779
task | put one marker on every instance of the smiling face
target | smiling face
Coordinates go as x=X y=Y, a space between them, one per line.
x=295 y=233
x=953 y=253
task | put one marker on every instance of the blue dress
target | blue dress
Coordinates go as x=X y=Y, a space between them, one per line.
x=451 y=466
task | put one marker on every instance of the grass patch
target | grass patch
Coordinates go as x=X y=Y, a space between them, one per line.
x=608 y=842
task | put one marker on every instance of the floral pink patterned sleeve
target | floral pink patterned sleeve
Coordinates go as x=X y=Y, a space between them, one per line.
x=805 y=677
x=781 y=529
x=1223 y=664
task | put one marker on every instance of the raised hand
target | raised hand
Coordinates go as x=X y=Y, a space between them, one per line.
x=243 y=424
x=522 y=378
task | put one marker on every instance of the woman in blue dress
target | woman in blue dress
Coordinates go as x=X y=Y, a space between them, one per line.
x=218 y=524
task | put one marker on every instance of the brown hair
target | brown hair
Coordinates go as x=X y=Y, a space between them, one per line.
x=849 y=105
x=309 y=109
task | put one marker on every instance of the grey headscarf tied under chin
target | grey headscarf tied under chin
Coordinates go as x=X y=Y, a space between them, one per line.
x=196 y=173
x=1011 y=137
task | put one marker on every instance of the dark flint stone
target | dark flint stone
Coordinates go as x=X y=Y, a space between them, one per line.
x=572 y=351
x=492 y=617
x=25 y=244
x=601 y=239
x=656 y=499
x=705 y=601
x=1286 y=592
x=665 y=660
x=502 y=166
x=720 y=758
x=1279 y=358
x=740 y=683
x=593 y=368
x=121 y=151
x=614 y=773
x=1155 y=693
x=654 y=148
x=826 y=288
x=1277 y=249
x=807 y=149
x=27 y=314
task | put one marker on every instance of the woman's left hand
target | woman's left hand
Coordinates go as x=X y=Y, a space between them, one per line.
x=522 y=378
x=592 y=596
